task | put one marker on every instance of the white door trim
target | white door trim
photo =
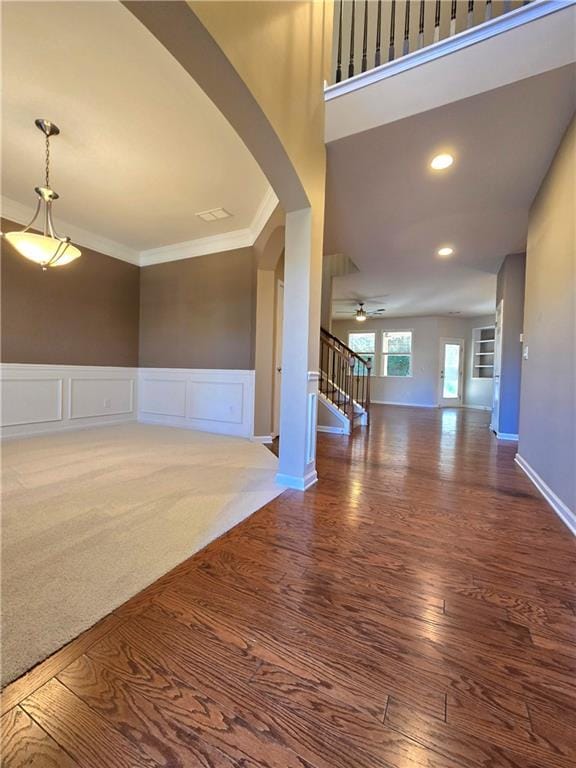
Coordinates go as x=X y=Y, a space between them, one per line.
x=279 y=319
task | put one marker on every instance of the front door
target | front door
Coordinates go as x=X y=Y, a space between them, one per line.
x=451 y=372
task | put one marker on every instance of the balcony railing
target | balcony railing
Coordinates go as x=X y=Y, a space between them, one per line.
x=370 y=33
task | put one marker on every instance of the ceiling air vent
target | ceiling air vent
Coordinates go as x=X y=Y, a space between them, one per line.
x=214 y=214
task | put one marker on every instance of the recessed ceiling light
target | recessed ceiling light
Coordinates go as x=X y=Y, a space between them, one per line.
x=441 y=162
x=446 y=251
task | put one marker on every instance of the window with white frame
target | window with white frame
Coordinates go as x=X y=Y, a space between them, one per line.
x=397 y=353
x=364 y=344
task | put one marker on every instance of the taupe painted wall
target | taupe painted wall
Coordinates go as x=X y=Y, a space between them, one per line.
x=199 y=312
x=548 y=391
x=85 y=313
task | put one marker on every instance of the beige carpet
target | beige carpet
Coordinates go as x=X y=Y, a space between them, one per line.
x=92 y=517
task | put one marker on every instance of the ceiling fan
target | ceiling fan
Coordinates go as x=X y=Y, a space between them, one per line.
x=358 y=308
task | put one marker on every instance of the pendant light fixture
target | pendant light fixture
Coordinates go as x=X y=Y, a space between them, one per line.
x=48 y=249
x=361 y=315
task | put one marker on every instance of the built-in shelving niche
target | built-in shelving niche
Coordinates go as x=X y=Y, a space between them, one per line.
x=483 y=363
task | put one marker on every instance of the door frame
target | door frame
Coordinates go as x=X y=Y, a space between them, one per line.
x=451 y=402
x=277 y=372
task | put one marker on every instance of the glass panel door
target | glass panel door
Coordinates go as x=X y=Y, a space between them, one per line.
x=451 y=386
x=451 y=371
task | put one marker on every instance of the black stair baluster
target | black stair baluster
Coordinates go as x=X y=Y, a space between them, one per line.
x=421 y=25
x=339 y=58
x=453 y=18
x=392 y=31
x=365 y=39
x=406 y=47
x=352 y=32
x=378 y=34
x=470 y=17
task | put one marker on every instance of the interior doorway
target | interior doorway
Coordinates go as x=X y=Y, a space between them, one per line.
x=495 y=421
x=279 y=321
x=451 y=372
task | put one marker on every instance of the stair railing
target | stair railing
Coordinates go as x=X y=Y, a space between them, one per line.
x=408 y=25
x=344 y=376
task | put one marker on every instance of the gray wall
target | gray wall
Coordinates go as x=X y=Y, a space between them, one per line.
x=422 y=387
x=548 y=390
x=85 y=313
x=510 y=290
x=199 y=312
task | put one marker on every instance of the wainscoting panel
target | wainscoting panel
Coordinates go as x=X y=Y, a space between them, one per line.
x=216 y=401
x=219 y=401
x=163 y=396
x=50 y=398
x=31 y=401
x=101 y=397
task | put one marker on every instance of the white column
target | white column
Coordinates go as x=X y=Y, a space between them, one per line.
x=300 y=352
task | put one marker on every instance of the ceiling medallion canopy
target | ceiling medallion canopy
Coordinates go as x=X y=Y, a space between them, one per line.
x=48 y=249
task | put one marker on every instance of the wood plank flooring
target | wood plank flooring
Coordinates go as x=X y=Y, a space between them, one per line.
x=417 y=608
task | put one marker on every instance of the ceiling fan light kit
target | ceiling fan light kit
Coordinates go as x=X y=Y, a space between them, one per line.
x=48 y=249
x=360 y=313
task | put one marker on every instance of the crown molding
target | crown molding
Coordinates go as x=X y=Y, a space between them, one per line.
x=265 y=210
x=201 y=246
x=22 y=214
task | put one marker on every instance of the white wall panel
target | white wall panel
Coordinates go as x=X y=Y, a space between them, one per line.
x=163 y=396
x=219 y=401
x=30 y=401
x=100 y=397
x=50 y=398
x=216 y=401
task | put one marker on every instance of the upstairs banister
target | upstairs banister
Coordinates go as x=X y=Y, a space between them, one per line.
x=407 y=25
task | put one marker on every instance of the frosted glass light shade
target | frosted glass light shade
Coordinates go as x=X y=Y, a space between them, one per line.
x=42 y=249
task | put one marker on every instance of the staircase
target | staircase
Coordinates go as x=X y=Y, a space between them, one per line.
x=344 y=387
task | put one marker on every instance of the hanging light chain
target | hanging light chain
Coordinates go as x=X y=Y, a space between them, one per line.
x=47 y=160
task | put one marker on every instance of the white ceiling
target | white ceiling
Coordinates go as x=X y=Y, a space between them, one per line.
x=389 y=212
x=141 y=149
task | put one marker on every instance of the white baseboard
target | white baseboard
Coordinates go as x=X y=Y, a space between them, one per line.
x=567 y=516
x=477 y=407
x=264 y=439
x=40 y=399
x=506 y=436
x=297 y=483
x=331 y=430
x=405 y=405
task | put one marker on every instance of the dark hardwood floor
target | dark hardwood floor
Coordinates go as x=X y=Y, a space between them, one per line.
x=416 y=608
